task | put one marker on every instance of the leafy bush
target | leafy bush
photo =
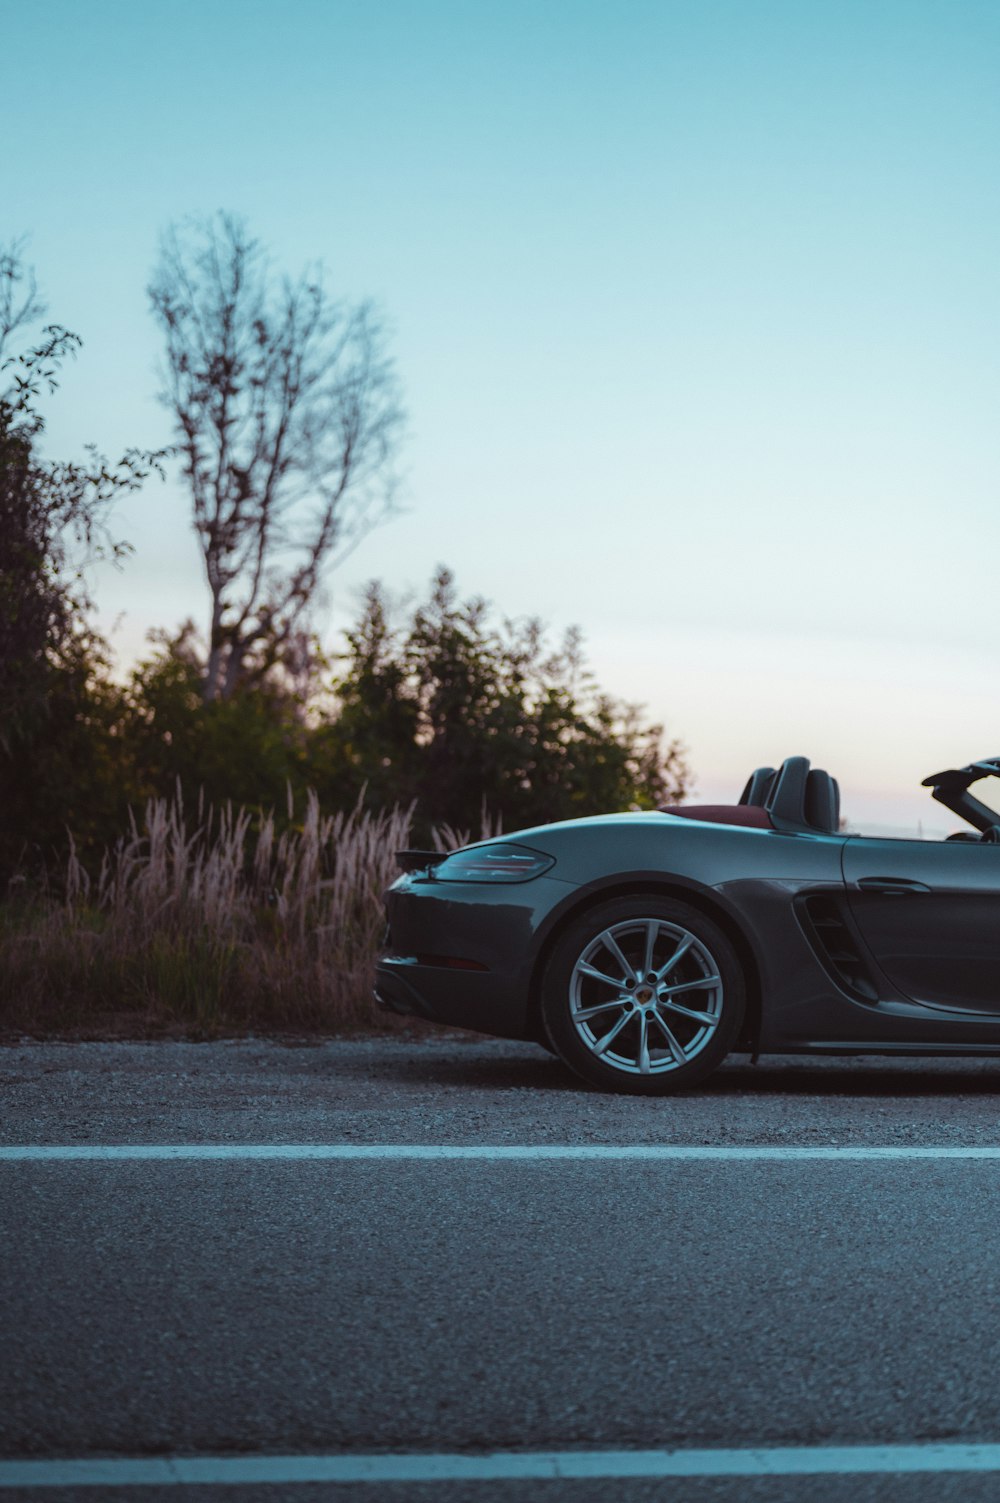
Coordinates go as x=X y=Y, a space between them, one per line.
x=454 y=713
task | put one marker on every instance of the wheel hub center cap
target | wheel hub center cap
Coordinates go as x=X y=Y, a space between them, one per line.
x=643 y=994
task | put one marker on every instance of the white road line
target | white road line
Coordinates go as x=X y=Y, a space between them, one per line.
x=650 y=1152
x=785 y=1461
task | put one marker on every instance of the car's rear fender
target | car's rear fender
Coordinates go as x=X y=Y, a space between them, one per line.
x=653 y=884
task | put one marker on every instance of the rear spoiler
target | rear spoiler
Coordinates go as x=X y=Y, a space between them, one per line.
x=418 y=861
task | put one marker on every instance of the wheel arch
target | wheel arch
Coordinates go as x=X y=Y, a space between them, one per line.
x=695 y=897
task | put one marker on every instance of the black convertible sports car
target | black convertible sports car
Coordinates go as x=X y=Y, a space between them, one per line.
x=643 y=948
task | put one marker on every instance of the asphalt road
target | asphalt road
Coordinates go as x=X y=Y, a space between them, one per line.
x=162 y=1308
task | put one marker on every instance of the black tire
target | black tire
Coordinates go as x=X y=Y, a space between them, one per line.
x=670 y=1022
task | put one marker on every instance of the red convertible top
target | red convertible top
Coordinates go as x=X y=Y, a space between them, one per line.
x=724 y=814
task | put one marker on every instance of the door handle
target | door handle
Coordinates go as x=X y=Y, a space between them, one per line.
x=897 y=886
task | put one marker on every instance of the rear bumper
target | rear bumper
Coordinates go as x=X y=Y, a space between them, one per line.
x=497 y=930
x=396 y=994
x=460 y=999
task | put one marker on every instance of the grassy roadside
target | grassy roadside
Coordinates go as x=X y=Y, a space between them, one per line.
x=206 y=927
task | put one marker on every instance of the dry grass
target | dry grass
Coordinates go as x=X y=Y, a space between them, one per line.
x=211 y=923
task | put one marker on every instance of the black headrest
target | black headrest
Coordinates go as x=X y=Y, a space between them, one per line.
x=803 y=798
x=758 y=787
x=822 y=802
x=786 y=801
x=796 y=797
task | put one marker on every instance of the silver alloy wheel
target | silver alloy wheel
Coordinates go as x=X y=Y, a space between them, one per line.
x=646 y=996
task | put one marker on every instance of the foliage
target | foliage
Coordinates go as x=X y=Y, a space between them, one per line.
x=59 y=713
x=285 y=408
x=458 y=714
x=248 y=749
x=443 y=727
x=462 y=718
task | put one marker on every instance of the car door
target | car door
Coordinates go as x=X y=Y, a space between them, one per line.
x=930 y=913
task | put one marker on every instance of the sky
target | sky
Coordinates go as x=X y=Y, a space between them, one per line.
x=695 y=306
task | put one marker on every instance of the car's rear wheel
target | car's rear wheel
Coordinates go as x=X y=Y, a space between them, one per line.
x=643 y=995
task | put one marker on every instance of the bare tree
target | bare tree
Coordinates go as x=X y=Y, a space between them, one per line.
x=287 y=417
x=20 y=304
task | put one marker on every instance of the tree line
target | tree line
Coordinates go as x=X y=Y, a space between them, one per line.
x=286 y=419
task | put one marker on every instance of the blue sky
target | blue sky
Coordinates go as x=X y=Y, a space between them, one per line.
x=695 y=304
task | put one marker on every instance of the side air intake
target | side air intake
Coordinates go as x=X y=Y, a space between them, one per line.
x=834 y=941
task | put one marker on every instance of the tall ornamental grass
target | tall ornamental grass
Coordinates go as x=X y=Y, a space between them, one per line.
x=210 y=922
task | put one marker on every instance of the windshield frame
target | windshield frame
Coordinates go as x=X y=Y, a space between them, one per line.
x=952 y=786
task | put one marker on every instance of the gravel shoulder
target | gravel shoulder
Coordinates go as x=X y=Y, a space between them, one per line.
x=453 y=1090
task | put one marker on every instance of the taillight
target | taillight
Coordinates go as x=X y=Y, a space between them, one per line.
x=493 y=863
